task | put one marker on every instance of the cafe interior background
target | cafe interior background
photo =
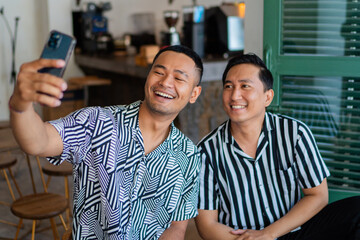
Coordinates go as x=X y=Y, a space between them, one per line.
x=32 y=20
x=320 y=84
x=38 y=17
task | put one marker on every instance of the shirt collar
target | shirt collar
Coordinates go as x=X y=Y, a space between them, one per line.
x=131 y=120
x=131 y=115
x=268 y=125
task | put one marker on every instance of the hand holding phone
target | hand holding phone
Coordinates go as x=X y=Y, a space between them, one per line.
x=58 y=46
x=47 y=90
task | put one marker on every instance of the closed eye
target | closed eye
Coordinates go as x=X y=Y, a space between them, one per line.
x=158 y=73
x=180 y=79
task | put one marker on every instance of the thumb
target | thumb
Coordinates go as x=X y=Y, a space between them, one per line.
x=238 y=231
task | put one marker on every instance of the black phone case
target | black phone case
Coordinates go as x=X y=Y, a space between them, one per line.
x=58 y=46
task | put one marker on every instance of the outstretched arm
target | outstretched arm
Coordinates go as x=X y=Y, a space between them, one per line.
x=33 y=135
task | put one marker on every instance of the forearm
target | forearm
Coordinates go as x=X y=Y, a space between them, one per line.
x=302 y=211
x=214 y=231
x=176 y=231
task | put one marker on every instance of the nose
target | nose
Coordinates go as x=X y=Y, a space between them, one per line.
x=167 y=80
x=236 y=94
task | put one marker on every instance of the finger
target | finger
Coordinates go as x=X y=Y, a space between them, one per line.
x=36 y=65
x=238 y=231
x=48 y=79
x=47 y=100
x=28 y=77
x=30 y=84
x=48 y=89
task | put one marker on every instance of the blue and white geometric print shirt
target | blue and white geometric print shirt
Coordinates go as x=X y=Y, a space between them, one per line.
x=119 y=192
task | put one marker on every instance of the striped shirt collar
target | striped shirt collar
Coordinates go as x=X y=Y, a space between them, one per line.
x=132 y=122
x=268 y=125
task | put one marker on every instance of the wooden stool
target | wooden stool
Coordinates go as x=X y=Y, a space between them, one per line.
x=6 y=162
x=65 y=169
x=87 y=81
x=38 y=206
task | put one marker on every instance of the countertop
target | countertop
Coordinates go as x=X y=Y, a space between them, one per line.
x=213 y=69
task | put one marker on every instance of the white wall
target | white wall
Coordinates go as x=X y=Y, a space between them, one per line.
x=37 y=17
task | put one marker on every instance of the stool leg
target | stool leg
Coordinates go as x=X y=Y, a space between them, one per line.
x=66 y=183
x=63 y=222
x=18 y=229
x=14 y=181
x=33 y=230
x=48 y=181
x=9 y=185
x=54 y=228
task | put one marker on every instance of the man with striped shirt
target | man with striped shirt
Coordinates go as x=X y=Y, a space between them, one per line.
x=135 y=173
x=256 y=166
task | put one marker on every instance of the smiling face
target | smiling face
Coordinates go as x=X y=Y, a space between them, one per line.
x=171 y=84
x=244 y=97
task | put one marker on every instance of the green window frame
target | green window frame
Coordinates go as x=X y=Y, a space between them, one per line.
x=313 y=50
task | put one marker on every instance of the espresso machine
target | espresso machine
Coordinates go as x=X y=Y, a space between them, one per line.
x=170 y=37
x=90 y=28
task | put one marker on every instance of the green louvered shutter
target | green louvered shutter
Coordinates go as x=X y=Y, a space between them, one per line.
x=313 y=50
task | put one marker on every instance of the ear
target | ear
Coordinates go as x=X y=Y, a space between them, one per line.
x=269 y=97
x=195 y=94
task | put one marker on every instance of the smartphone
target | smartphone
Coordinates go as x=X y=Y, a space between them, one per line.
x=58 y=46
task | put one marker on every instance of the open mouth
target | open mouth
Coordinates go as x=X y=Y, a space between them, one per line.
x=237 y=106
x=161 y=94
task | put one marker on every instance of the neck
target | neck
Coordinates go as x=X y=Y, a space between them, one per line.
x=154 y=128
x=247 y=135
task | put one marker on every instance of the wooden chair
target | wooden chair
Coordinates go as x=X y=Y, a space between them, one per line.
x=6 y=162
x=38 y=206
x=65 y=169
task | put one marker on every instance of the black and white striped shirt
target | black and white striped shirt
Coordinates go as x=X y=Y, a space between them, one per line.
x=253 y=193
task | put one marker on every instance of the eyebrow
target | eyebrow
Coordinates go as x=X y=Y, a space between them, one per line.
x=241 y=80
x=176 y=70
x=182 y=73
x=159 y=66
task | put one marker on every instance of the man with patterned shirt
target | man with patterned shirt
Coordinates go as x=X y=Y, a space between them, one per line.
x=136 y=174
x=256 y=165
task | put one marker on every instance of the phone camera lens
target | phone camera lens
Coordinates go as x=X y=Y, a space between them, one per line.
x=54 y=40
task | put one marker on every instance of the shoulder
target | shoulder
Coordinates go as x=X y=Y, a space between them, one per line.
x=130 y=109
x=182 y=142
x=288 y=124
x=185 y=152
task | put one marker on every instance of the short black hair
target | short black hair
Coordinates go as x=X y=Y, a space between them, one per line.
x=251 y=58
x=188 y=52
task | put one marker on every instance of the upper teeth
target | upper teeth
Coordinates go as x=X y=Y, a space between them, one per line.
x=164 y=95
x=237 y=106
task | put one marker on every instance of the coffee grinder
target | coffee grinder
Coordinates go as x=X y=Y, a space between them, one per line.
x=171 y=37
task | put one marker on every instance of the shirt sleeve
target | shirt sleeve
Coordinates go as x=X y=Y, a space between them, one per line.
x=311 y=166
x=187 y=207
x=208 y=197
x=76 y=131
